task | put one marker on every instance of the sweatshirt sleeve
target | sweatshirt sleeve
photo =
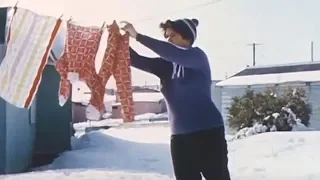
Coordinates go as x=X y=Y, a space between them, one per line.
x=156 y=66
x=191 y=58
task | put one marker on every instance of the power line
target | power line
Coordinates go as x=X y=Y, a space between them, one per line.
x=191 y=8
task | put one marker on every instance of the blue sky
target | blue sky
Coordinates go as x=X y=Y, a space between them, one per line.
x=285 y=28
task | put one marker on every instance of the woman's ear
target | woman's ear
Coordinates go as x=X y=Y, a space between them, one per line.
x=165 y=34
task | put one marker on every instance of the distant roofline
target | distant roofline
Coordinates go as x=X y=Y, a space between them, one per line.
x=279 y=68
x=274 y=78
x=281 y=65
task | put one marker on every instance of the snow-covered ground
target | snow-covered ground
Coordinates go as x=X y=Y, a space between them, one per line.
x=142 y=153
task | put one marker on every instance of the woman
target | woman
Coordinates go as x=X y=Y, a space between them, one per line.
x=198 y=144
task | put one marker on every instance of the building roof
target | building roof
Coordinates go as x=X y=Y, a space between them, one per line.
x=276 y=74
x=287 y=68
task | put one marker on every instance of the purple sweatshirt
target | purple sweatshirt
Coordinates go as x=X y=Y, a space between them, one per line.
x=185 y=83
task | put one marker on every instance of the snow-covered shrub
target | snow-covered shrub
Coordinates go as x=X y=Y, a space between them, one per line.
x=249 y=131
x=290 y=123
x=275 y=112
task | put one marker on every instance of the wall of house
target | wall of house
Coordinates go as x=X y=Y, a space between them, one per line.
x=53 y=126
x=20 y=132
x=16 y=135
x=2 y=123
x=314 y=96
x=216 y=94
x=2 y=136
x=226 y=99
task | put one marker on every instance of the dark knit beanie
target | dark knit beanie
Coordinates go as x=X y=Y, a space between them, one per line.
x=187 y=28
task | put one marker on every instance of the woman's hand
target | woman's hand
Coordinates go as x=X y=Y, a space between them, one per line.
x=128 y=27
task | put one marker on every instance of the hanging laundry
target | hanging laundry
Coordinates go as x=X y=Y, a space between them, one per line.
x=116 y=62
x=29 y=41
x=78 y=64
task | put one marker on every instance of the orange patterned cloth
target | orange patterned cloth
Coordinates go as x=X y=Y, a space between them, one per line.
x=116 y=62
x=78 y=63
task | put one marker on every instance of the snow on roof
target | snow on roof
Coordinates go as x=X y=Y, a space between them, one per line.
x=279 y=78
x=289 y=68
x=284 y=65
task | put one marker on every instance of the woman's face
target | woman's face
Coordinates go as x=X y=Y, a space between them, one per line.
x=175 y=38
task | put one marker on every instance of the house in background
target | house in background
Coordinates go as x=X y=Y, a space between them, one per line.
x=80 y=100
x=144 y=102
x=34 y=136
x=280 y=77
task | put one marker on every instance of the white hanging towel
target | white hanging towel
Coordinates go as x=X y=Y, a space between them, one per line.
x=29 y=42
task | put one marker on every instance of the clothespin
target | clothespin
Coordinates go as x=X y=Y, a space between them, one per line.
x=15 y=6
x=103 y=25
x=70 y=19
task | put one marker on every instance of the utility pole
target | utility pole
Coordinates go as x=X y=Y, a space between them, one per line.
x=254 y=52
x=312 y=51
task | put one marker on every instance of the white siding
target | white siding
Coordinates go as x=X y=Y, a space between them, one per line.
x=227 y=95
x=313 y=94
x=216 y=95
x=314 y=99
x=226 y=103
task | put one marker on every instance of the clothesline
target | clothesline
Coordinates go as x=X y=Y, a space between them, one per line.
x=190 y=8
x=86 y=18
x=119 y=16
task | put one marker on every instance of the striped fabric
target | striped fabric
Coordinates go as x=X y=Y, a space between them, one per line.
x=29 y=42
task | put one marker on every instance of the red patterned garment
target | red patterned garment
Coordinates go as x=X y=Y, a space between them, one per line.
x=116 y=62
x=78 y=63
